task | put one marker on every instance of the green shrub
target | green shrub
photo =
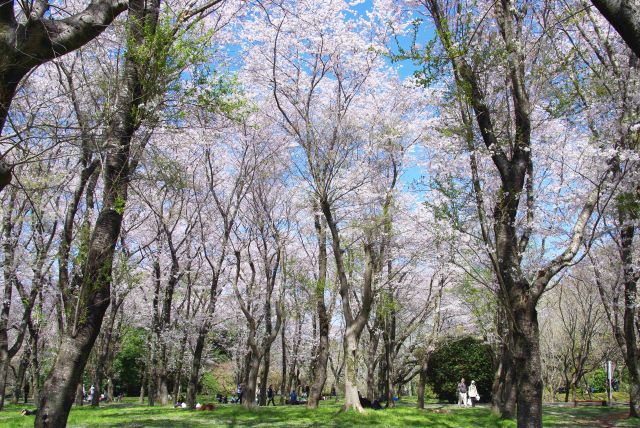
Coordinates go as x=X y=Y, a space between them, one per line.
x=128 y=364
x=210 y=385
x=467 y=358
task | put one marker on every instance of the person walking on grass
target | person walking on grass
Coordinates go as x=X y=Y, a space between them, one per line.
x=462 y=393
x=270 y=395
x=473 y=393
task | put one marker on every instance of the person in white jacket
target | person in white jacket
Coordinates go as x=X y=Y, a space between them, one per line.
x=473 y=393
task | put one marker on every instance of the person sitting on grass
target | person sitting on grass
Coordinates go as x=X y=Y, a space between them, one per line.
x=293 y=397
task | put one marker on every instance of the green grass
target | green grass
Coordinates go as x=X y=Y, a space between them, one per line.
x=328 y=415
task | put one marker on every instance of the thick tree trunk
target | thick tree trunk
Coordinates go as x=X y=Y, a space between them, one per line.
x=79 y=395
x=624 y=16
x=178 y=377
x=389 y=386
x=26 y=45
x=351 y=397
x=321 y=369
x=249 y=391
x=9 y=277
x=60 y=385
x=322 y=350
x=630 y=314
x=4 y=369
x=97 y=384
x=8 y=84
x=194 y=375
x=264 y=376
x=503 y=400
x=162 y=394
x=422 y=382
x=103 y=356
x=527 y=363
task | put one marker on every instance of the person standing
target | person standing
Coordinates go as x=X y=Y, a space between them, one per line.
x=473 y=393
x=462 y=393
x=270 y=395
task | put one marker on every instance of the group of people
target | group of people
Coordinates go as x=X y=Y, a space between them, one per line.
x=87 y=396
x=467 y=396
x=294 y=398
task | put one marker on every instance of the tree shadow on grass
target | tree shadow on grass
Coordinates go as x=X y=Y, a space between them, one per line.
x=134 y=416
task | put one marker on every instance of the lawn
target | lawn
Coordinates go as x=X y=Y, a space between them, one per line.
x=328 y=415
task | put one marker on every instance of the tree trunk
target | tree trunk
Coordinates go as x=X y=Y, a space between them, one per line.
x=624 y=16
x=630 y=310
x=79 y=395
x=503 y=400
x=249 y=391
x=178 y=378
x=21 y=376
x=527 y=364
x=8 y=88
x=144 y=377
x=9 y=277
x=97 y=384
x=194 y=375
x=35 y=366
x=322 y=352
x=372 y=363
x=283 y=344
x=60 y=385
x=162 y=394
x=94 y=280
x=351 y=397
x=422 y=382
x=264 y=378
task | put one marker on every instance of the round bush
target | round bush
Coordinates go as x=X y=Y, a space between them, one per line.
x=467 y=358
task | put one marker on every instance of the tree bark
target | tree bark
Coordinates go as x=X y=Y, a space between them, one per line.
x=249 y=391
x=503 y=397
x=624 y=16
x=630 y=312
x=94 y=280
x=194 y=375
x=41 y=39
x=354 y=324
x=79 y=395
x=422 y=382
x=283 y=346
x=264 y=376
x=527 y=363
x=351 y=396
x=21 y=376
x=322 y=353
